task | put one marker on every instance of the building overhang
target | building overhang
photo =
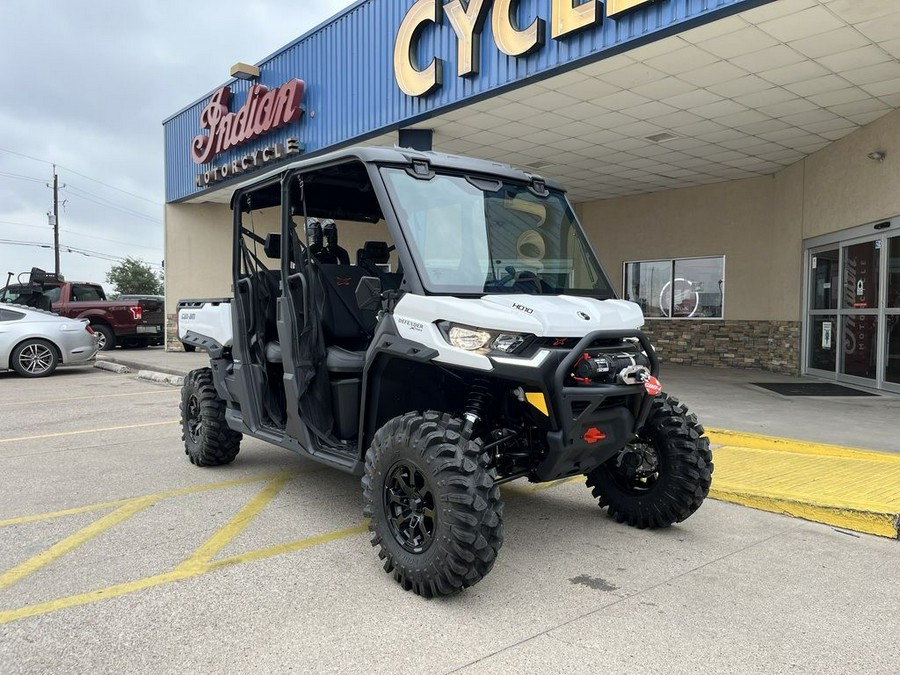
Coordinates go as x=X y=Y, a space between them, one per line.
x=743 y=96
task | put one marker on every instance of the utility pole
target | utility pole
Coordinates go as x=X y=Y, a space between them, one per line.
x=54 y=220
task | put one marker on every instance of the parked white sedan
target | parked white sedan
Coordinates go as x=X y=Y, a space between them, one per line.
x=34 y=342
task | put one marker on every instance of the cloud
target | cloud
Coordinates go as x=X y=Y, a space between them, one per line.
x=87 y=86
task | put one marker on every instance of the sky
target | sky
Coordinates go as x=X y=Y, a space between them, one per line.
x=86 y=86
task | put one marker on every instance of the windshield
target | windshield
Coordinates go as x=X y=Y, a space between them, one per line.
x=477 y=236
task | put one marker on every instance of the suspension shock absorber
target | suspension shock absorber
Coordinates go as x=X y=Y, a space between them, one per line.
x=479 y=397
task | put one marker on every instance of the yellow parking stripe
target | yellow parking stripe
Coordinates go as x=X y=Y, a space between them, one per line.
x=87 y=431
x=91 y=398
x=92 y=596
x=281 y=549
x=169 y=577
x=199 y=558
x=72 y=542
x=159 y=495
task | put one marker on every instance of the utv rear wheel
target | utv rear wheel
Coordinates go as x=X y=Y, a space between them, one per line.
x=208 y=441
x=435 y=511
x=661 y=478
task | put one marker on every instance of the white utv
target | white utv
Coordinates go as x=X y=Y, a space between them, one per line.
x=473 y=340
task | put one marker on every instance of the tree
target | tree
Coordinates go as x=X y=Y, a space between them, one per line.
x=134 y=277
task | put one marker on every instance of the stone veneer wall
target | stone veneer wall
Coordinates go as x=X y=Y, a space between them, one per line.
x=766 y=345
x=173 y=344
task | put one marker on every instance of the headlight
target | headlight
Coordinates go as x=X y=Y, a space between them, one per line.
x=481 y=340
x=469 y=339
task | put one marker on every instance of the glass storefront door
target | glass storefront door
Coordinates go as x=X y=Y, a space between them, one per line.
x=892 y=315
x=853 y=311
x=825 y=285
x=861 y=274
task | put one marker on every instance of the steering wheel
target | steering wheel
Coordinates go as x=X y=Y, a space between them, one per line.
x=514 y=277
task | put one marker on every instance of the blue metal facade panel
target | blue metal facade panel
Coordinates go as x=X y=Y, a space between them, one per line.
x=351 y=93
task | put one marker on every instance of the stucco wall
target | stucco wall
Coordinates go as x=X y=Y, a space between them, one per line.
x=198 y=252
x=844 y=188
x=198 y=247
x=759 y=224
x=737 y=219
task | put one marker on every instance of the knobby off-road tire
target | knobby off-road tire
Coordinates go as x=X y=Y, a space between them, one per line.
x=436 y=515
x=208 y=441
x=680 y=484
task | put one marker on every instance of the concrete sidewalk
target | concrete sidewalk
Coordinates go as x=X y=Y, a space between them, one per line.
x=772 y=452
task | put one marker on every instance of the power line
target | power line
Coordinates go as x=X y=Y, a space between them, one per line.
x=19 y=154
x=77 y=191
x=99 y=182
x=35 y=227
x=86 y=236
x=111 y=187
x=73 y=249
x=114 y=241
x=18 y=176
x=80 y=195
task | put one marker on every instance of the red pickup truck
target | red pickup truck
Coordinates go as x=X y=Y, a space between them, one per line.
x=130 y=323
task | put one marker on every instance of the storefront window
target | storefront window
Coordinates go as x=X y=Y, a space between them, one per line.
x=644 y=283
x=688 y=288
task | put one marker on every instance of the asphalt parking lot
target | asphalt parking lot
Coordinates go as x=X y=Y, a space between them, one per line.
x=117 y=555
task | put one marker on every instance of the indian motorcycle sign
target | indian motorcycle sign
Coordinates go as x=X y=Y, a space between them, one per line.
x=264 y=111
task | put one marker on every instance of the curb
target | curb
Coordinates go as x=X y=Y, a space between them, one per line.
x=161 y=378
x=117 y=368
x=848 y=488
x=138 y=366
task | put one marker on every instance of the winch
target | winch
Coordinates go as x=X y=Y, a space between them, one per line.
x=612 y=367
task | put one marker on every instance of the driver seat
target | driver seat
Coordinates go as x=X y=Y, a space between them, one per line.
x=341 y=361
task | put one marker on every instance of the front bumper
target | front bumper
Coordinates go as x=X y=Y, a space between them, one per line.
x=617 y=411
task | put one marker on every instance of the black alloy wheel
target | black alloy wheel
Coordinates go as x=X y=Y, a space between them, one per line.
x=663 y=477
x=193 y=420
x=208 y=441
x=436 y=514
x=409 y=504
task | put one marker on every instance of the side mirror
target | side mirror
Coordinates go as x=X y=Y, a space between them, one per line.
x=272 y=247
x=368 y=293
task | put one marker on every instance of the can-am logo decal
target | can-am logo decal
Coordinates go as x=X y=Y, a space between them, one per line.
x=586 y=317
x=467 y=21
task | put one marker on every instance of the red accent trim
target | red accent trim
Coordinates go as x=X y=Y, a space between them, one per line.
x=581 y=380
x=593 y=435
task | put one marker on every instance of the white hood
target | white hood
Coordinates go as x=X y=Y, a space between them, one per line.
x=540 y=315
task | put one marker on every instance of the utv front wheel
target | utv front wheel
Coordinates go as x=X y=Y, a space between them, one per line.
x=435 y=512
x=208 y=441
x=661 y=478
